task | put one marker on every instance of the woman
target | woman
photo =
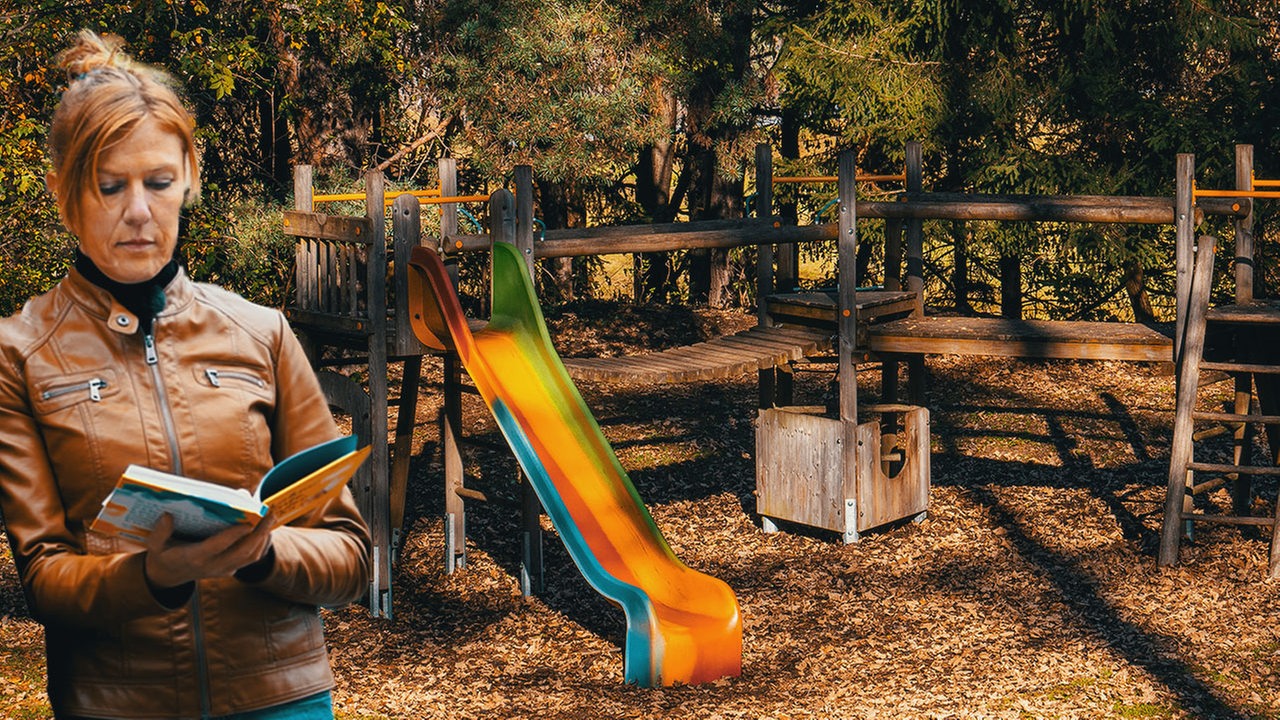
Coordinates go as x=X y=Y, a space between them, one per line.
x=112 y=367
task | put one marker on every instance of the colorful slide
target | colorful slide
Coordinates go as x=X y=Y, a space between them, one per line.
x=682 y=626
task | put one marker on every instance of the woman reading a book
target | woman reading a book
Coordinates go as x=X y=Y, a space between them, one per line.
x=127 y=361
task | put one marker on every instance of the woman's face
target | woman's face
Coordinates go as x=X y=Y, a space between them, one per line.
x=131 y=230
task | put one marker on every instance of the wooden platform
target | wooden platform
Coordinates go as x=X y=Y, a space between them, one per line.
x=885 y=327
x=1022 y=338
x=759 y=348
x=818 y=308
x=1260 y=313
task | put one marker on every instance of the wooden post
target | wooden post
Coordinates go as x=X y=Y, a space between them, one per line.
x=787 y=255
x=764 y=251
x=1180 y=454
x=1242 y=439
x=455 y=516
x=304 y=268
x=523 y=181
x=847 y=322
x=379 y=492
x=1184 y=242
x=915 y=227
x=1244 y=227
x=915 y=267
x=504 y=211
x=406 y=232
x=447 y=169
x=304 y=260
x=774 y=383
x=847 y=302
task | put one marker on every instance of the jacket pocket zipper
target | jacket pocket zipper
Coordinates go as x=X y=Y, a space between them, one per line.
x=216 y=376
x=94 y=385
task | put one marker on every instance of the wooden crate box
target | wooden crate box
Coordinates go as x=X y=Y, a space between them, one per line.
x=837 y=475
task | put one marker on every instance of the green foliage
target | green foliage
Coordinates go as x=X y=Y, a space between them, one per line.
x=1018 y=96
x=244 y=249
x=852 y=71
x=34 y=249
x=558 y=86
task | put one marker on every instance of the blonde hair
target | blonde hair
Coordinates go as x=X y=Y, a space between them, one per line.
x=108 y=95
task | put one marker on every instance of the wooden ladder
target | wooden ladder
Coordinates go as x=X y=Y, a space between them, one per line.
x=1239 y=340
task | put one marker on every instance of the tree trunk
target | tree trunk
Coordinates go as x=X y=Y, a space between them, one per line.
x=276 y=155
x=1011 y=287
x=862 y=264
x=652 y=276
x=715 y=199
x=960 y=266
x=719 y=194
x=287 y=85
x=1135 y=288
x=787 y=258
x=561 y=206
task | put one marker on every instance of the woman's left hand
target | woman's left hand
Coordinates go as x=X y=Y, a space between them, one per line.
x=172 y=562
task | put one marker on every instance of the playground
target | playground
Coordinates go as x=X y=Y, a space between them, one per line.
x=1031 y=591
x=1003 y=546
x=734 y=360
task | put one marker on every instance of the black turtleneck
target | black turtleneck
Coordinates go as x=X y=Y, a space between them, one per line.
x=144 y=299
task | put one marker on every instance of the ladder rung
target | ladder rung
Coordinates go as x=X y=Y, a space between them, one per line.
x=1207 y=485
x=1212 y=432
x=1229 y=519
x=1241 y=469
x=1241 y=367
x=1235 y=417
x=467 y=493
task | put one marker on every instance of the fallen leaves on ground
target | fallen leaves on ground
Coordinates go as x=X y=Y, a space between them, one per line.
x=1030 y=591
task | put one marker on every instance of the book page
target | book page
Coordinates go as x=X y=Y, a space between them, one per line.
x=135 y=506
x=315 y=490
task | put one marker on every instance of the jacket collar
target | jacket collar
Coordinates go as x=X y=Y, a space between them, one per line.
x=179 y=294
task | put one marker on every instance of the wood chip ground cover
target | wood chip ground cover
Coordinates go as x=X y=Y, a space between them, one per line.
x=1030 y=591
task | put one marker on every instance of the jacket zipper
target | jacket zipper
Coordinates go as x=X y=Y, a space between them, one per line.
x=215 y=377
x=171 y=434
x=93 y=385
x=162 y=399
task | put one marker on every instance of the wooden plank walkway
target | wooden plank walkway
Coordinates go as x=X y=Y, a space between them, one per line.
x=759 y=348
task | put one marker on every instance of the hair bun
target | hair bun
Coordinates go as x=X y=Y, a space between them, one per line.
x=92 y=51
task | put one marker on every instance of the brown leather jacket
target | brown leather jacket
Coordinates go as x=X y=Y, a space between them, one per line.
x=79 y=401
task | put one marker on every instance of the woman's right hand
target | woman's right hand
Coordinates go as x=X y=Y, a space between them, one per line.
x=171 y=562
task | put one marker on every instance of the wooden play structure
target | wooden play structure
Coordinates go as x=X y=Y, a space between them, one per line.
x=909 y=337
x=1236 y=342
x=351 y=314
x=892 y=484
x=845 y=471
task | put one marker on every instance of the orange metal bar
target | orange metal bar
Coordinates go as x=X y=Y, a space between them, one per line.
x=1196 y=192
x=901 y=177
x=453 y=199
x=391 y=196
x=426 y=197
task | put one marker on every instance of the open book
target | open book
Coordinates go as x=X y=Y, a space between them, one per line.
x=297 y=485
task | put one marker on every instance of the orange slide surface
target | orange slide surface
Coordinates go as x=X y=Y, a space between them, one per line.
x=683 y=626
